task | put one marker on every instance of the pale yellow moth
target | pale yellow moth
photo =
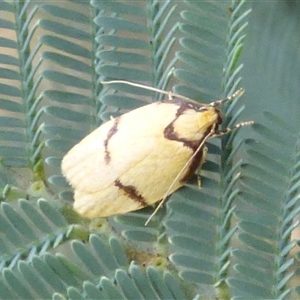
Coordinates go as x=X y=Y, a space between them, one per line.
x=142 y=156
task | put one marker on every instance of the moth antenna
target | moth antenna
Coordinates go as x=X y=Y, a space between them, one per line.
x=211 y=133
x=170 y=94
x=239 y=92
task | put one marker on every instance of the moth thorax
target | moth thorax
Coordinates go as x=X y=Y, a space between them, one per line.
x=192 y=124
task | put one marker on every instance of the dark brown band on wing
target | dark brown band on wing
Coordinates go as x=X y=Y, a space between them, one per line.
x=131 y=192
x=170 y=134
x=196 y=161
x=110 y=133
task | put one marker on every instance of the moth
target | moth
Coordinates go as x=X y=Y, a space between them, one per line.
x=143 y=156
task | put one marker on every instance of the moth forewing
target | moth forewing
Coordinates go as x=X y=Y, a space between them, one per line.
x=127 y=163
x=141 y=157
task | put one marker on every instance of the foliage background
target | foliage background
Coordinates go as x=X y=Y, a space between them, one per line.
x=234 y=238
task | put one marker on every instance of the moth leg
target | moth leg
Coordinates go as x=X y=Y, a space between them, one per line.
x=198 y=173
x=227 y=130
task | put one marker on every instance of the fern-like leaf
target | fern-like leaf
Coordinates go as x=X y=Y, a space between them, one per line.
x=202 y=241
x=28 y=230
x=264 y=269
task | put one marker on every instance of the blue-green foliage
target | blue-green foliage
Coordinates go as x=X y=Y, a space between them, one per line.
x=236 y=236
